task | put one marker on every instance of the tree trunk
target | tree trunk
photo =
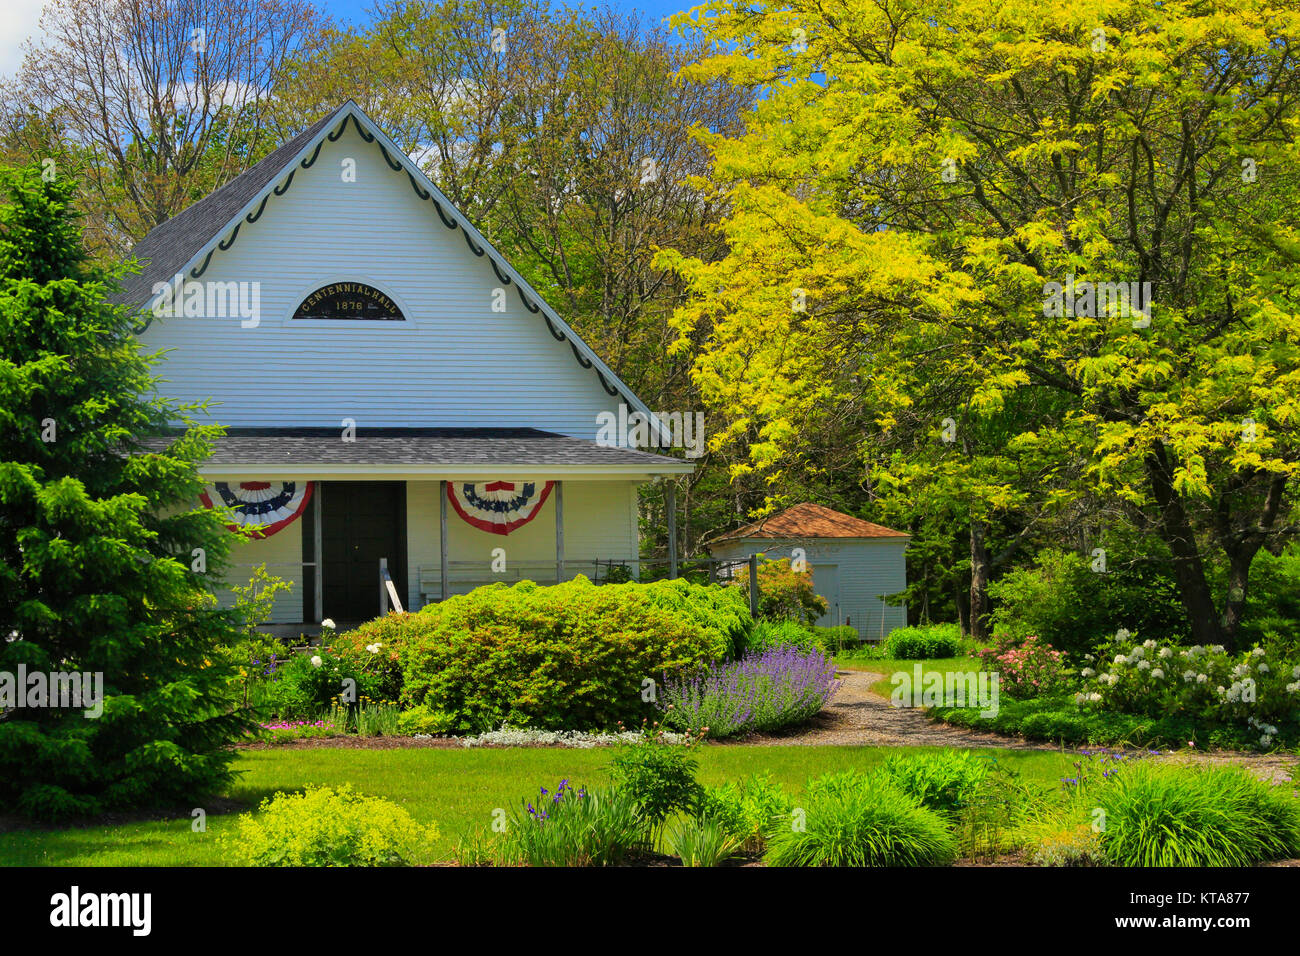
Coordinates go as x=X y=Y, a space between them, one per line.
x=979 y=581
x=962 y=599
x=1189 y=571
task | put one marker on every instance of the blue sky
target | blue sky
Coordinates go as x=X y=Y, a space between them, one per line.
x=354 y=10
x=19 y=20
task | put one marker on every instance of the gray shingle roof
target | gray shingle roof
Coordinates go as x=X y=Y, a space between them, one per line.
x=416 y=446
x=167 y=247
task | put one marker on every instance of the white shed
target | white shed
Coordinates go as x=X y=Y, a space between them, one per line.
x=854 y=563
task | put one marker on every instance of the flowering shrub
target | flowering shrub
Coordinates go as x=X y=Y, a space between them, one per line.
x=573 y=656
x=326 y=827
x=278 y=730
x=778 y=688
x=1031 y=668
x=1255 y=689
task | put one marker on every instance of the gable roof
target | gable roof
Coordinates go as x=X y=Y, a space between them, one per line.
x=173 y=245
x=808 y=520
x=186 y=243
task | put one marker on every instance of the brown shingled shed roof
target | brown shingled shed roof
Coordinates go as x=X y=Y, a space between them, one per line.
x=808 y=520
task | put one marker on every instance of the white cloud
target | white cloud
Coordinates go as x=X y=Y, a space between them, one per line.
x=19 y=21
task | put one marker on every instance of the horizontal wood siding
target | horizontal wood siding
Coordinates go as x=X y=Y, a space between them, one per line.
x=596 y=525
x=868 y=568
x=282 y=555
x=454 y=362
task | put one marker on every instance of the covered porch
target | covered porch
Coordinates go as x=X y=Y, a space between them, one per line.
x=383 y=518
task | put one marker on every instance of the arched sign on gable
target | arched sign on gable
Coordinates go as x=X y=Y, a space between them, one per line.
x=349 y=300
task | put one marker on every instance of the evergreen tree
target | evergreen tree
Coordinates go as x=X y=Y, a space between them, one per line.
x=107 y=564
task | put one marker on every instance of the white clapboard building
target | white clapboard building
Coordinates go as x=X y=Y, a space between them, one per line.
x=855 y=564
x=392 y=389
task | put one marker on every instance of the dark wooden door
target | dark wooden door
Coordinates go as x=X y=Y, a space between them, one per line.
x=361 y=522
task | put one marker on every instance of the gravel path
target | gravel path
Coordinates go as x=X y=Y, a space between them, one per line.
x=856 y=716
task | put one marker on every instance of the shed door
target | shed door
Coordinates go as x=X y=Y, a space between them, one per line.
x=826 y=582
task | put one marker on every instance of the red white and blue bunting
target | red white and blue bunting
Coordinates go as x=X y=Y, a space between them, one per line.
x=259 y=507
x=498 y=507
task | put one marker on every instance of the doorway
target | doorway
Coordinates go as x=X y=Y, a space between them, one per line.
x=361 y=522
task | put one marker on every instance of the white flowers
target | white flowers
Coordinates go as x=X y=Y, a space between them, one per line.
x=1189 y=676
x=1166 y=652
x=1158 y=674
x=1137 y=654
x=1120 y=659
x=1087 y=672
x=328 y=623
x=373 y=648
x=1144 y=665
x=1091 y=698
x=1295 y=671
x=1263 y=668
x=1201 y=678
x=1257 y=652
x=316 y=661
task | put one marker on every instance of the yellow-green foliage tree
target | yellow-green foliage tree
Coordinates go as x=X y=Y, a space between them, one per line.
x=933 y=208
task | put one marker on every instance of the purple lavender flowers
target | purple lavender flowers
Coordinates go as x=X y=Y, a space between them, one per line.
x=777 y=688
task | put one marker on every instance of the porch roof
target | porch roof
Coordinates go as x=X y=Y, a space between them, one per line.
x=396 y=453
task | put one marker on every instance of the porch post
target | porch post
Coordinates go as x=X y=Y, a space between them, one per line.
x=559 y=531
x=670 y=505
x=318 y=556
x=442 y=537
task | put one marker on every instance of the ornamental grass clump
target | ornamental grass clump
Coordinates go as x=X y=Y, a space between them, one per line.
x=326 y=827
x=857 y=819
x=1161 y=815
x=779 y=688
x=574 y=827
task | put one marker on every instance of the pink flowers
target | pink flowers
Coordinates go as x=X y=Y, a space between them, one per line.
x=1029 y=669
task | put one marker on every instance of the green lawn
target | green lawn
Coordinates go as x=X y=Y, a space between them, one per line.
x=887 y=667
x=457 y=788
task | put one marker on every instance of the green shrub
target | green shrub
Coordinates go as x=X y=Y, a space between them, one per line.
x=837 y=640
x=1162 y=815
x=326 y=827
x=767 y=635
x=574 y=828
x=700 y=842
x=751 y=810
x=785 y=594
x=947 y=781
x=659 y=775
x=862 y=820
x=570 y=657
x=423 y=720
x=1060 y=720
x=1070 y=606
x=927 y=642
